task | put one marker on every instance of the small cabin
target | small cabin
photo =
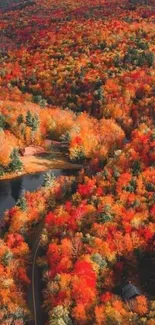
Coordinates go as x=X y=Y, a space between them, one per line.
x=127 y=291
x=130 y=291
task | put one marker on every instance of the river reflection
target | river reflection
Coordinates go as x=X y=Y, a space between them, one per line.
x=10 y=190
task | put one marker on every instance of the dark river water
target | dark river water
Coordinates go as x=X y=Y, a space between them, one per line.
x=10 y=190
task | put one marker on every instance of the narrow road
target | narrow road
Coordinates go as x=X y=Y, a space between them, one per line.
x=35 y=288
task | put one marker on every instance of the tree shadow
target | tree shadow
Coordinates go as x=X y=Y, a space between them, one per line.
x=16 y=188
x=147 y=273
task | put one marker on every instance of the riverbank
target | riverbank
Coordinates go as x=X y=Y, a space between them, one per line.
x=39 y=163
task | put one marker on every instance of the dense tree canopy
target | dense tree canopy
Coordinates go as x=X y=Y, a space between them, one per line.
x=80 y=72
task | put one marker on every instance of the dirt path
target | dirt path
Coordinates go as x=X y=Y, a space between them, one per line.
x=40 y=163
x=44 y=162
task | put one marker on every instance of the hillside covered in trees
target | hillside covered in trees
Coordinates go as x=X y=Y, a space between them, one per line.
x=80 y=73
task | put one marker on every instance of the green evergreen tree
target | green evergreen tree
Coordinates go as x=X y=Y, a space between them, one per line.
x=35 y=122
x=23 y=130
x=149 y=58
x=20 y=119
x=2 y=121
x=22 y=203
x=15 y=163
x=49 y=178
x=39 y=100
x=6 y=258
x=29 y=118
x=32 y=121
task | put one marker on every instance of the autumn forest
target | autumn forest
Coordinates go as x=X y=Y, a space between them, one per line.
x=77 y=80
